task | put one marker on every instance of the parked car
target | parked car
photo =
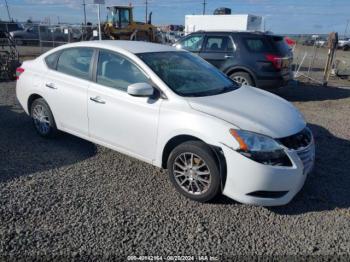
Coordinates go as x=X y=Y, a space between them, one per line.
x=321 y=42
x=172 y=109
x=344 y=44
x=10 y=26
x=34 y=34
x=309 y=42
x=254 y=59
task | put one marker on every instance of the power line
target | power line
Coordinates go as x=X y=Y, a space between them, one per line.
x=8 y=11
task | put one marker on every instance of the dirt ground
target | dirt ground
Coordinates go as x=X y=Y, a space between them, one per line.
x=67 y=198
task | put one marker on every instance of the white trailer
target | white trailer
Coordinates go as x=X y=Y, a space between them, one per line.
x=238 y=22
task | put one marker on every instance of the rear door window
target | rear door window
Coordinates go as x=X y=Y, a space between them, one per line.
x=257 y=45
x=192 y=43
x=219 y=44
x=75 y=62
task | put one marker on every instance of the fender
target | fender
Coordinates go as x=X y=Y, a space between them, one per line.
x=180 y=132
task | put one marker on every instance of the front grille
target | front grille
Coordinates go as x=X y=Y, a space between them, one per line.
x=307 y=156
x=303 y=144
x=297 y=141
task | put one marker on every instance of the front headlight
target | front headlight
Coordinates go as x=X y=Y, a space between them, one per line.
x=260 y=148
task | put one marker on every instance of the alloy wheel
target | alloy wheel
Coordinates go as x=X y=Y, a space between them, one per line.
x=41 y=119
x=192 y=173
x=240 y=80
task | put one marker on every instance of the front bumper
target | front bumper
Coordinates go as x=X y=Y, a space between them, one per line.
x=245 y=176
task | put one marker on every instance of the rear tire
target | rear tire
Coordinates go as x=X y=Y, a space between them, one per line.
x=242 y=78
x=43 y=120
x=346 y=48
x=11 y=75
x=194 y=171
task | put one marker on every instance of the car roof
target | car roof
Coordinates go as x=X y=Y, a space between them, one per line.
x=135 y=47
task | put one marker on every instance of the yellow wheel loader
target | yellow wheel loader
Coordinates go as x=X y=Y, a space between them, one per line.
x=120 y=25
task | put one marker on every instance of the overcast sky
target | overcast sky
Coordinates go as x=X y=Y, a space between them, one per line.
x=282 y=16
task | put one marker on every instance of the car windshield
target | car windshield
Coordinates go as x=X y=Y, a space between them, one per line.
x=188 y=75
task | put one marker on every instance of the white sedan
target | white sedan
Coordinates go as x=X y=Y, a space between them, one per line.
x=173 y=110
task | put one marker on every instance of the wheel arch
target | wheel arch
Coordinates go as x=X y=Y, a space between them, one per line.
x=174 y=142
x=179 y=139
x=31 y=99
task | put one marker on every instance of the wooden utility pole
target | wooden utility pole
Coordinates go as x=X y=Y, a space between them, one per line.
x=204 y=5
x=146 y=18
x=332 y=47
x=84 y=5
x=346 y=28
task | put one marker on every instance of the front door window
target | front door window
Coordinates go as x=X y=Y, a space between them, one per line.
x=117 y=72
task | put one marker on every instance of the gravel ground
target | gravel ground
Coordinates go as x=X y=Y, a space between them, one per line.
x=70 y=198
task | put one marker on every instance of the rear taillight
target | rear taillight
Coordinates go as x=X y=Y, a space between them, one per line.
x=19 y=71
x=275 y=60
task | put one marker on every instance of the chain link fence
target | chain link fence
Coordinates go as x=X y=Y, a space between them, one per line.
x=310 y=58
x=34 y=39
x=310 y=52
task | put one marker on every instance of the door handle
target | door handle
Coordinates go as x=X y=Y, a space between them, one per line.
x=97 y=99
x=51 y=85
x=228 y=56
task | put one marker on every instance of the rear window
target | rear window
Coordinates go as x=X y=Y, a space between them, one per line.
x=267 y=44
x=258 y=45
x=280 y=44
x=51 y=60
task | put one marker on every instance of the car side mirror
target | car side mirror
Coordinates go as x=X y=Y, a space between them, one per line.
x=140 y=89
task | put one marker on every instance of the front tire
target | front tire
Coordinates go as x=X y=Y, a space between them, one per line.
x=43 y=119
x=242 y=78
x=194 y=171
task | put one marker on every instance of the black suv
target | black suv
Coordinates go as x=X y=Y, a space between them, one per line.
x=10 y=26
x=256 y=59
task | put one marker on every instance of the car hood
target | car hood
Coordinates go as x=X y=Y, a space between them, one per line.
x=254 y=110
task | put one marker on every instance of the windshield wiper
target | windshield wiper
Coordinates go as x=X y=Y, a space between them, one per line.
x=214 y=92
x=227 y=89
